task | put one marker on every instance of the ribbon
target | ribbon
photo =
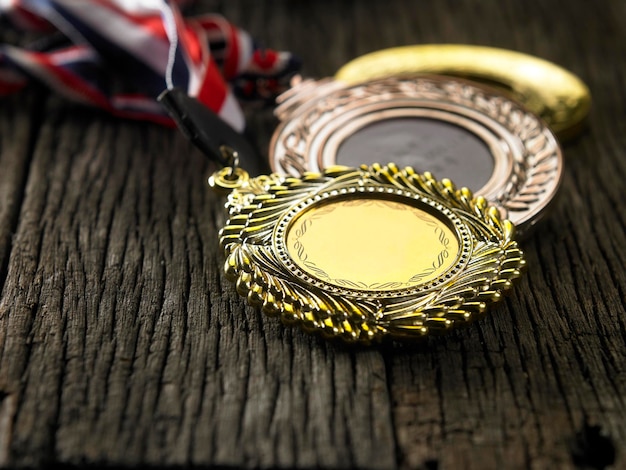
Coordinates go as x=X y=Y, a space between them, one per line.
x=119 y=55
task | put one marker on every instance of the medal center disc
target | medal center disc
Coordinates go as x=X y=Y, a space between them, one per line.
x=372 y=242
x=445 y=149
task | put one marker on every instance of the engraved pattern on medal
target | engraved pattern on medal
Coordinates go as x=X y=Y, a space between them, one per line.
x=258 y=261
x=532 y=176
x=374 y=227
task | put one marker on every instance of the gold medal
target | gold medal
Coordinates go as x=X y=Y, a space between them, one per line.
x=364 y=254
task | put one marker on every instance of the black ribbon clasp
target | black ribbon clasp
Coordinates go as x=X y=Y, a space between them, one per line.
x=207 y=131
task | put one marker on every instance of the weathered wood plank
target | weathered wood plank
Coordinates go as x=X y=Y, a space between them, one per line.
x=17 y=131
x=121 y=344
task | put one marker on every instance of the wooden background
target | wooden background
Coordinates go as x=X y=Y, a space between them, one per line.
x=121 y=344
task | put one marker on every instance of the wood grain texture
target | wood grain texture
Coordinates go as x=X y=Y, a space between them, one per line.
x=121 y=344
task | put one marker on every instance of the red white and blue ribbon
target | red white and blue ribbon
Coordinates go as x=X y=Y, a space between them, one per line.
x=119 y=55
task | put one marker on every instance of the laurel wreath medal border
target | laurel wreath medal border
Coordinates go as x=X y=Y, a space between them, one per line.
x=253 y=264
x=532 y=180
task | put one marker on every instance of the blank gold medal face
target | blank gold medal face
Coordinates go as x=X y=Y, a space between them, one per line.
x=332 y=241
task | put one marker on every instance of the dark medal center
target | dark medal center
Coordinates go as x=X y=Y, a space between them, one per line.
x=444 y=149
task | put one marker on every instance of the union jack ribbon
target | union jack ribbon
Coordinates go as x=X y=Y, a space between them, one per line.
x=119 y=55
